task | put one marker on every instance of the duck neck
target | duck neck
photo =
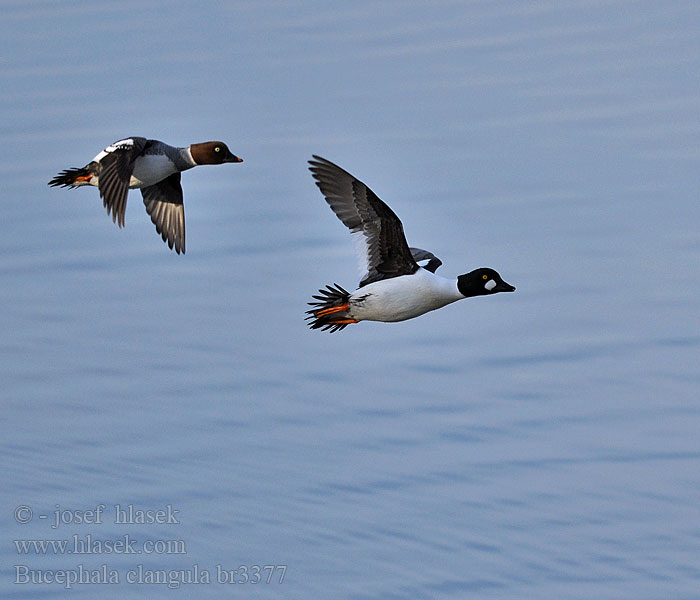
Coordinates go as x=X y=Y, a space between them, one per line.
x=445 y=288
x=186 y=155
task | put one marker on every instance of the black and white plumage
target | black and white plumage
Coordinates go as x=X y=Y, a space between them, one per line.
x=386 y=253
x=394 y=286
x=155 y=168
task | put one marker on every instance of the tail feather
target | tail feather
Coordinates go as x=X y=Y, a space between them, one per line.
x=330 y=309
x=70 y=177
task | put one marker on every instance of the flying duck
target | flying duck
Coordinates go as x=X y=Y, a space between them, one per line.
x=155 y=168
x=394 y=287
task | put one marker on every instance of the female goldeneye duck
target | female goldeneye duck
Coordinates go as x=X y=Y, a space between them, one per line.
x=155 y=168
x=394 y=287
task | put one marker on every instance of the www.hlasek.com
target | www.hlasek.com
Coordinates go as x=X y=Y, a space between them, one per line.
x=87 y=544
x=172 y=578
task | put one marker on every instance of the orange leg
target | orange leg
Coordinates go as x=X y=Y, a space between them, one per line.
x=342 y=321
x=83 y=178
x=332 y=310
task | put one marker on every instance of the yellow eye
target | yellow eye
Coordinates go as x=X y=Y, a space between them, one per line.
x=217 y=149
x=484 y=277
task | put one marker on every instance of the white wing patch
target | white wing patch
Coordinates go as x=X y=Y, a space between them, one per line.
x=124 y=144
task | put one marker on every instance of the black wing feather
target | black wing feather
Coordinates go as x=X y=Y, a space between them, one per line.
x=361 y=210
x=164 y=203
x=420 y=255
x=114 y=171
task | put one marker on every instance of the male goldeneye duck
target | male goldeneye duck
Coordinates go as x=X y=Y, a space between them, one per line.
x=395 y=287
x=155 y=168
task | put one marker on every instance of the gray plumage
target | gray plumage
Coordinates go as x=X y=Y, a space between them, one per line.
x=152 y=166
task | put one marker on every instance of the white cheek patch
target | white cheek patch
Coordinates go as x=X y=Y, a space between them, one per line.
x=490 y=284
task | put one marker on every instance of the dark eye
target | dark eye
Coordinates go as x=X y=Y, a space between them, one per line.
x=484 y=277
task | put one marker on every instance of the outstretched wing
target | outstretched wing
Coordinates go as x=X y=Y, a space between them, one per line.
x=115 y=165
x=164 y=203
x=420 y=255
x=386 y=252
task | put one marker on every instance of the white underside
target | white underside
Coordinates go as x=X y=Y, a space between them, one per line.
x=401 y=298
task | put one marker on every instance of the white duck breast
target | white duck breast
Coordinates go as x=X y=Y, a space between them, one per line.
x=401 y=298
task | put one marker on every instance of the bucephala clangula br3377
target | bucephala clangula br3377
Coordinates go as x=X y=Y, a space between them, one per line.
x=395 y=287
x=155 y=168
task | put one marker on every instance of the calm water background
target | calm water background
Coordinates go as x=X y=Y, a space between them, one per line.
x=542 y=444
